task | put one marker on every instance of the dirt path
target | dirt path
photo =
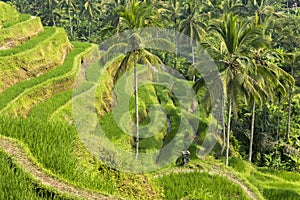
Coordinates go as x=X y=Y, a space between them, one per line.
x=20 y=157
x=214 y=171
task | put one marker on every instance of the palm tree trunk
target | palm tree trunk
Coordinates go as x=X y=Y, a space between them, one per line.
x=252 y=132
x=278 y=120
x=228 y=131
x=136 y=107
x=223 y=126
x=90 y=21
x=193 y=56
x=288 y=131
x=70 y=19
x=52 y=14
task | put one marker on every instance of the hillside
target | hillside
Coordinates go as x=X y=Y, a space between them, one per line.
x=65 y=132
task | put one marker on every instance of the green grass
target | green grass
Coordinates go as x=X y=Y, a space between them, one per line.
x=272 y=184
x=12 y=92
x=44 y=57
x=7 y=13
x=15 y=184
x=272 y=187
x=57 y=148
x=42 y=92
x=285 y=175
x=45 y=109
x=197 y=185
x=47 y=53
x=22 y=18
x=20 y=31
x=48 y=32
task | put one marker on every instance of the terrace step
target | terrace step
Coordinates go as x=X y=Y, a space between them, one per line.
x=46 y=55
x=20 y=32
x=7 y=13
x=42 y=177
x=41 y=88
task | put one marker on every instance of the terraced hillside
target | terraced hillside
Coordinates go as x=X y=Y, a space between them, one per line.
x=41 y=154
x=37 y=77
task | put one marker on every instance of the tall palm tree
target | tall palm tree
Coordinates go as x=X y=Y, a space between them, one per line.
x=231 y=48
x=191 y=26
x=294 y=59
x=88 y=9
x=286 y=36
x=69 y=5
x=48 y=12
x=271 y=78
x=137 y=15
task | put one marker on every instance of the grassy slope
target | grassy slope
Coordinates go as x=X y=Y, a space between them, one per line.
x=16 y=184
x=20 y=32
x=197 y=185
x=272 y=184
x=53 y=85
x=47 y=141
x=7 y=13
x=45 y=55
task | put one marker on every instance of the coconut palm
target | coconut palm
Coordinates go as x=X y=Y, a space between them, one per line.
x=232 y=49
x=271 y=78
x=191 y=26
x=293 y=60
x=48 y=12
x=88 y=9
x=69 y=5
x=137 y=15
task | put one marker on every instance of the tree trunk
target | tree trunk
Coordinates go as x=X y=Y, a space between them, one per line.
x=90 y=21
x=193 y=57
x=278 y=121
x=52 y=14
x=70 y=19
x=252 y=132
x=223 y=126
x=193 y=54
x=136 y=107
x=288 y=131
x=228 y=131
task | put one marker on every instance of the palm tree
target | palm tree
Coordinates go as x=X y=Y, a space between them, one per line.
x=262 y=11
x=191 y=26
x=69 y=5
x=88 y=9
x=111 y=17
x=286 y=37
x=170 y=13
x=232 y=47
x=271 y=78
x=137 y=15
x=48 y=12
x=294 y=59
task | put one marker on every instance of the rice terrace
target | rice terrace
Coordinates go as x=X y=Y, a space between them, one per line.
x=149 y=99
